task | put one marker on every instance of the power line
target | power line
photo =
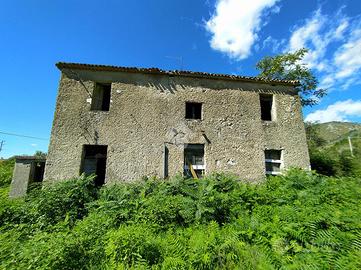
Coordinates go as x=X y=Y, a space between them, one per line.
x=24 y=136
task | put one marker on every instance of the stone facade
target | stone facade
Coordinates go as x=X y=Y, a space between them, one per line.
x=145 y=129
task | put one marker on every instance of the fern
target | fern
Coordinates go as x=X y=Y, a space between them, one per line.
x=296 y=221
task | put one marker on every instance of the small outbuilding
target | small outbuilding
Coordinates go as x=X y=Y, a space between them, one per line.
x=27 y=170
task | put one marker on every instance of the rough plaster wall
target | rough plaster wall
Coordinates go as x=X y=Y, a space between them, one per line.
x=147 y=112
x=287 y=132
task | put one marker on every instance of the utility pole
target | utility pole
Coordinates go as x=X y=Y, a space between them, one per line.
x=1 y=144
x=350 y=144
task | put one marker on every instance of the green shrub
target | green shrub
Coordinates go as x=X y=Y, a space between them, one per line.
x=350 y=166
x=53 y=203
x=297 y=221
x=131 y=245
x=323 y=163
x=6 y=171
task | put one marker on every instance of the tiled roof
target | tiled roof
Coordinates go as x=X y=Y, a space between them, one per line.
x=63 y=65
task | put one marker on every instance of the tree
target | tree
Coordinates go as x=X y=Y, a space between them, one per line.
x=289 y=66
x=40 y=154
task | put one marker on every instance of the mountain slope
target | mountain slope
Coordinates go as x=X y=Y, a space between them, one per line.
x=332 y=132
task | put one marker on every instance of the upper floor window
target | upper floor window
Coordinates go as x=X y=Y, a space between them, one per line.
x=273 y=160
x=101 y=97
x=266 y=102
x=193 y=110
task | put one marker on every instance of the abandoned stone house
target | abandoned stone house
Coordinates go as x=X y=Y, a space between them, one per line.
x=125 y=123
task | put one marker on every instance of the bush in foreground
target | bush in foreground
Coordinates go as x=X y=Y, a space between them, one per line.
x=296 y=221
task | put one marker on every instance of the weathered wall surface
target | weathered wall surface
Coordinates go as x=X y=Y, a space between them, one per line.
x=148 y=112
x=21 y=178
x=26 y=172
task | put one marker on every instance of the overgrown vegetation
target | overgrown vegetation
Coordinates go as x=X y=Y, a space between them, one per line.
x=6 y=171
x=297 y=221
x=301 y=220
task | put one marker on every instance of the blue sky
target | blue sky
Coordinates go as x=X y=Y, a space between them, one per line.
x=225 y=36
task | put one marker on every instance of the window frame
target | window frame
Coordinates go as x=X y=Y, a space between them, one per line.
x=274 y=161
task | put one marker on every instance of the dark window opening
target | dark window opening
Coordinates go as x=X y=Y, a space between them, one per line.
x=101 y=97
x=273 y=160
x=193 y=110
x=194 y=165
x=94 y=162
x=266 y=107
x=37 y=168
x=273 y=154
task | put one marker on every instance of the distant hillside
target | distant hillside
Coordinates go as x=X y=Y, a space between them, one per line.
x=335 y=138
x=330 y=151
x=332 y=132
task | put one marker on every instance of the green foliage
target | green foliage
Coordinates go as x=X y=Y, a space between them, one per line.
x=351 y=166
x=40 y=154
x=6 y=171
x=298 y=221
x=323 y=163
x=289 y=66
x=51 y=204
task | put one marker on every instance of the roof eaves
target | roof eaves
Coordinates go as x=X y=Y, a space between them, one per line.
x=153 y=70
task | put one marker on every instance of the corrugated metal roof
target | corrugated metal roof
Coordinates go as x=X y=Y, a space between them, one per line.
x=184 y=73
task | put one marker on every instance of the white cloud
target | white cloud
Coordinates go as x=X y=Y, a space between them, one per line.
x=306 y=32
x=316 y=34
x=274 y=44
x=348 y=57
x=276 y=9
x=33 y=144
x=338 y=111
x=338 y=68
x=333 y=40
x=235 y=24
x=338 y=34
x=327 y=81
